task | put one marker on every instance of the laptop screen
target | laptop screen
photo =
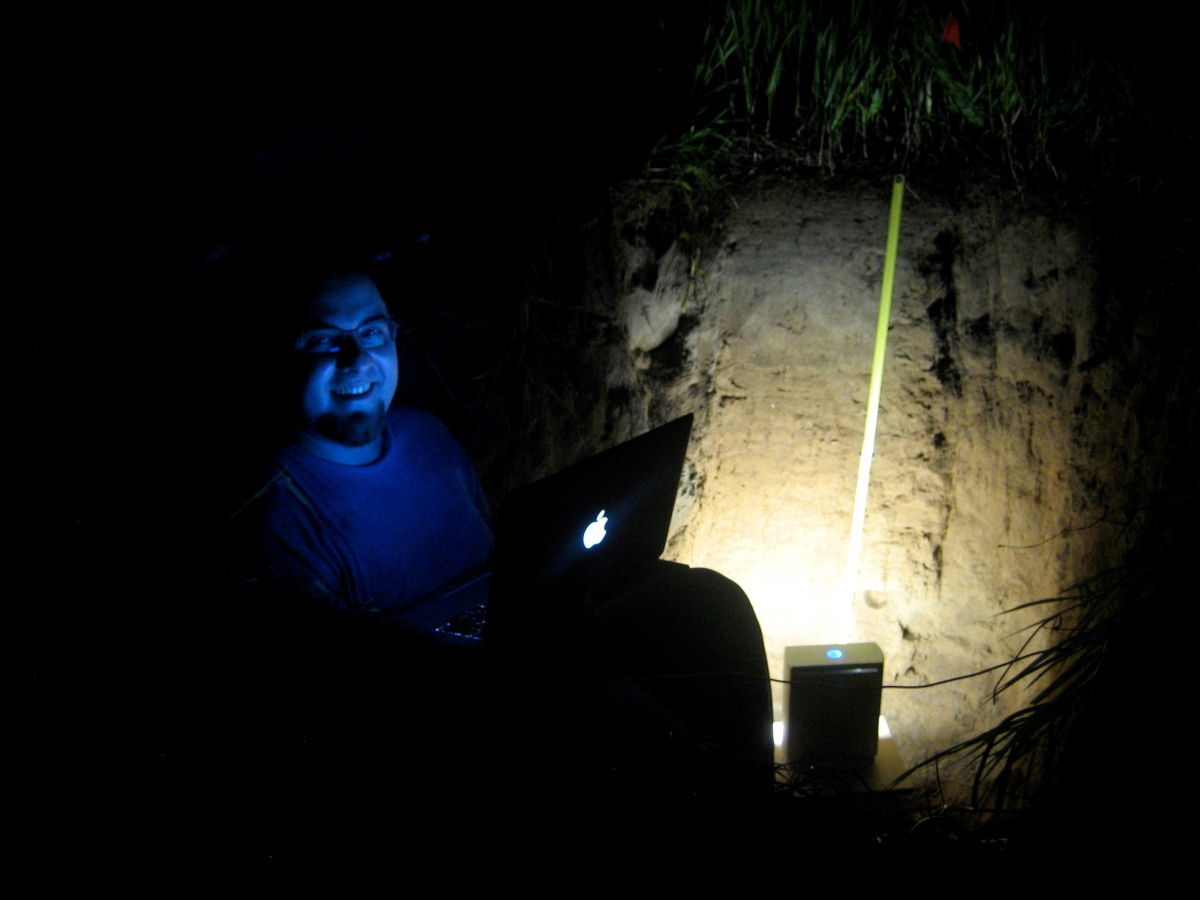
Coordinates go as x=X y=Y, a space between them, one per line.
x=590 y=527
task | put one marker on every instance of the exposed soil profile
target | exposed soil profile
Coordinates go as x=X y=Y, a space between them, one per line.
x=1001 y=428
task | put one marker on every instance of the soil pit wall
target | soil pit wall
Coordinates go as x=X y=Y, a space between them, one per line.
x=995 y=444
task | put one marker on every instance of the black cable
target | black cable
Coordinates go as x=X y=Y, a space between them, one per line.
x=917 y=687
x=903 y=687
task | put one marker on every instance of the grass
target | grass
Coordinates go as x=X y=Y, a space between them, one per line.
x=831 y=84
x=1082 y=684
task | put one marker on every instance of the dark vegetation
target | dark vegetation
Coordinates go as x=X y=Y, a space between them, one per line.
x=481 y=156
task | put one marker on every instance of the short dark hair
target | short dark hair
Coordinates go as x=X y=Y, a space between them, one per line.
x=265 y=286
x=236 y=309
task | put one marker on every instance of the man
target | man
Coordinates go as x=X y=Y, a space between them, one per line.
x=368 y=508
x=378 y=511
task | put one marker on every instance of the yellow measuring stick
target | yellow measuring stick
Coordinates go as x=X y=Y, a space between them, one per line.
x=868 y=447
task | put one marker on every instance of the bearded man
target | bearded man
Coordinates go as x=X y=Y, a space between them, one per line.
x=370 y=508
x=377 y=510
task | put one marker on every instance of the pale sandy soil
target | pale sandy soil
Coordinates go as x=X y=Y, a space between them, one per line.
x=993 y=448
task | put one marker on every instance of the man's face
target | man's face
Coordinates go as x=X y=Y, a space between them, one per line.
x=346 y=391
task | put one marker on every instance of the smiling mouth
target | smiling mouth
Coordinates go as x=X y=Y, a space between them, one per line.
x=353 y=391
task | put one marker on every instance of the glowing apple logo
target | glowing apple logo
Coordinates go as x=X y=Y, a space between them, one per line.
x=595 y=532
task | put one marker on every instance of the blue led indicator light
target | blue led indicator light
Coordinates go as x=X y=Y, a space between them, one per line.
x=834 y=653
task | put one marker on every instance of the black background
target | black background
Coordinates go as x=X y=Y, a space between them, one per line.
x=141 y=143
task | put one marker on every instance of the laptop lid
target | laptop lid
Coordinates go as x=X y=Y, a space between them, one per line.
x=591 y=528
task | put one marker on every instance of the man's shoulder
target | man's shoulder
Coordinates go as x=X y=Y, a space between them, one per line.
x=420 y=431
x=406 y=420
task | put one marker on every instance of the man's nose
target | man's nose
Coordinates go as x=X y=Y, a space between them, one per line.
x=350 y=354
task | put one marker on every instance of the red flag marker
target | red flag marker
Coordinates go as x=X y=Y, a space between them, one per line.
x=950 y=32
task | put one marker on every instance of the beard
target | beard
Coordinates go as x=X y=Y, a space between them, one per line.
x=356 y=429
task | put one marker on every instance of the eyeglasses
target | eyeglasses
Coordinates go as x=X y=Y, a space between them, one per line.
x=376 y=333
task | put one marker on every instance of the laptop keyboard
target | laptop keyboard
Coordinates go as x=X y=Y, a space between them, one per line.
x=465 y=628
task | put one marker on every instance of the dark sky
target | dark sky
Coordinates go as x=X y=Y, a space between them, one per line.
x=176 y=127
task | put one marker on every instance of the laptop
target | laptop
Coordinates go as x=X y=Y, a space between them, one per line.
x=589 y=531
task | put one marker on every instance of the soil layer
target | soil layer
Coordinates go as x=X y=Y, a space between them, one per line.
x=997 y=455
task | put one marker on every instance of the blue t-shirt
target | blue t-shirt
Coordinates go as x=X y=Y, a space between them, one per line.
x=378 y=538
